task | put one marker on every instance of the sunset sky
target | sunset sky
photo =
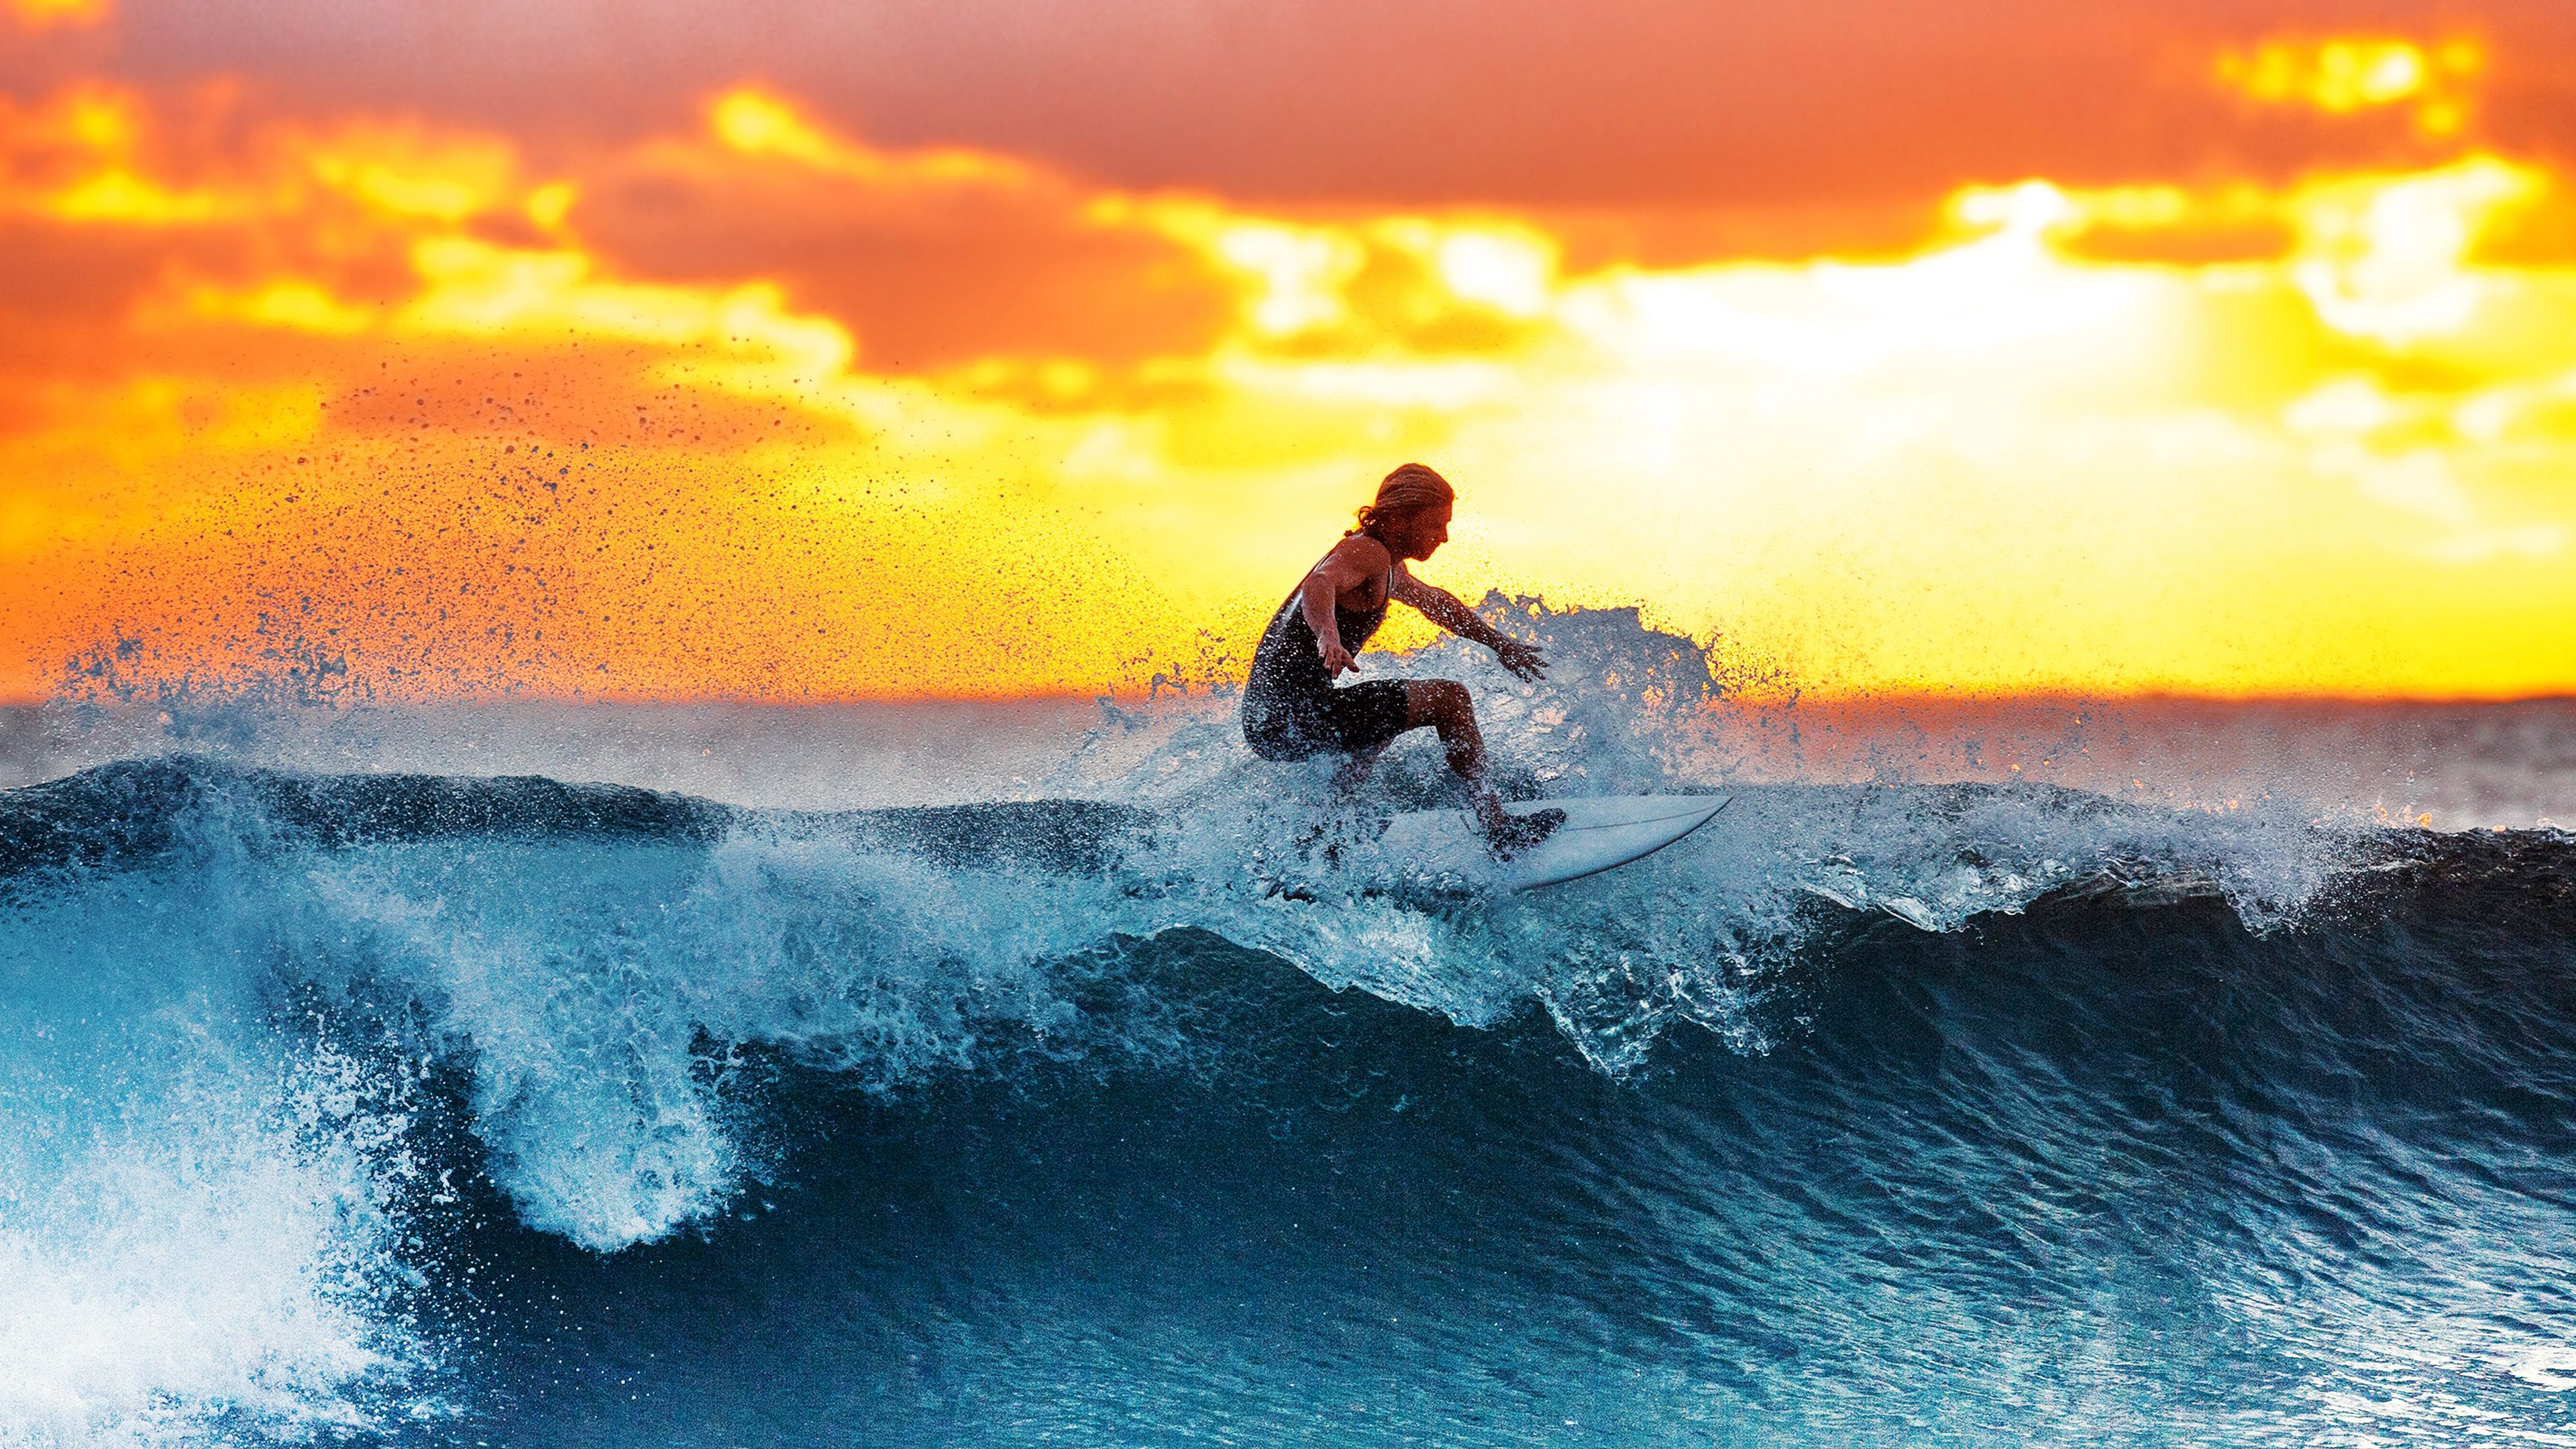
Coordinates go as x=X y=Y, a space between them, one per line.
x=798 y=350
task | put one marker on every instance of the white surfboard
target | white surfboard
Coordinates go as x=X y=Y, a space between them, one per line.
x=1598 y=834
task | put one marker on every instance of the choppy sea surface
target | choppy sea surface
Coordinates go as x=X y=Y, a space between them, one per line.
x=2032 y=1073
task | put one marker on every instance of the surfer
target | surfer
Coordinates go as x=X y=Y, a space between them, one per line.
x=1291 y=708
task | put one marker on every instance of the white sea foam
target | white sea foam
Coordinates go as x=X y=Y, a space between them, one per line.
x=190 y=1204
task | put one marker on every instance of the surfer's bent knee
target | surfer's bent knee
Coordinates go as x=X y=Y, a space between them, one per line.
x=1432 y=701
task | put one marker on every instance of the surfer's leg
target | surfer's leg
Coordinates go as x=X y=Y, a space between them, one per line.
x=1446 y=706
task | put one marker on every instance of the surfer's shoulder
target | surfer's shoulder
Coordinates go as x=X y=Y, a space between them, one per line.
x=1363 y=554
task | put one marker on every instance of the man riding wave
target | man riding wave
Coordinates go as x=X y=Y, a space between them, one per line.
x=1292 y=709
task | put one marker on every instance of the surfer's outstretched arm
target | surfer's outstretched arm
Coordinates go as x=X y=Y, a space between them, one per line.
x=1442 y=607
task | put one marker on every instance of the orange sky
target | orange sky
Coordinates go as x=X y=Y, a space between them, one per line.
x=800 y=351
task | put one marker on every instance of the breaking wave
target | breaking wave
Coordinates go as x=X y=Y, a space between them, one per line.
x=300 y=1060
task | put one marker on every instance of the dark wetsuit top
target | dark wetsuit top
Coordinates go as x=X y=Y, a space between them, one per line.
x=1291 y=709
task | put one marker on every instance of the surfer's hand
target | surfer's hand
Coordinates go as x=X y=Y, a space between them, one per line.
x=1337 y=659
x=1523 y=660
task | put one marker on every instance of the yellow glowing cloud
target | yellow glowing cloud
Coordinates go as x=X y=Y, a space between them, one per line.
x=405 y=174
x=2385 y=256
x=2343 y=75
x=40 y=14
x=415 y=192
x=755 y=123
x=78 y=160
x=1407 y=282
x=479 y=290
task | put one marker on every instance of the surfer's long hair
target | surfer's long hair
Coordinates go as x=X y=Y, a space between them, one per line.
x=1408 y=489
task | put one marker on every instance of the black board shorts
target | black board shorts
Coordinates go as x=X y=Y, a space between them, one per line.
x=1354 y=719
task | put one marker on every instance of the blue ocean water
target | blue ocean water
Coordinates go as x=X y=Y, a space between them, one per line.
x=361 y=1106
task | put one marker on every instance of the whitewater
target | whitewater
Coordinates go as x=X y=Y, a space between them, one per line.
x=529 y=1074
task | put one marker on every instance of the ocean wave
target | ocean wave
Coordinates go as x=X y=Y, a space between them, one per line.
x=266 y=1025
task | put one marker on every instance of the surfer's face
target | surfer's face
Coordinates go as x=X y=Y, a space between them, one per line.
x=1421 y=534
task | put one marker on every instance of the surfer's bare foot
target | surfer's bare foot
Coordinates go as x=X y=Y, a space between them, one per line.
x=1507 y=835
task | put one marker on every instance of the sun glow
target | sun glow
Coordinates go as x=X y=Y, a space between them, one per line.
x=408 y=409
